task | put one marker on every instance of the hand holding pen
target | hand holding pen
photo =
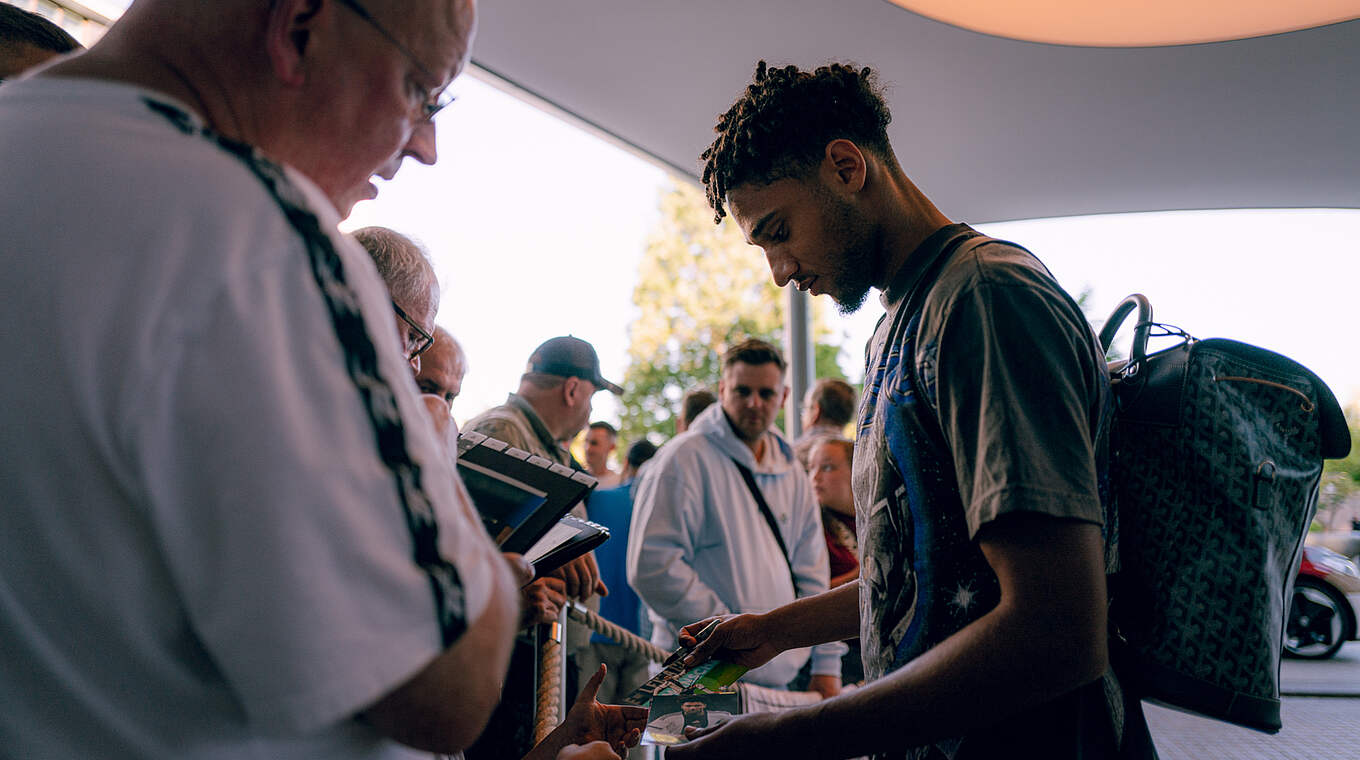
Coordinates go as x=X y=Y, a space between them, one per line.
x=747 y=640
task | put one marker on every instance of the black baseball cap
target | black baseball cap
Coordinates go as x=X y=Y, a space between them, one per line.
x=569 y=356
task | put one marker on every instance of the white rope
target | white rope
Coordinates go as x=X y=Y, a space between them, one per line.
x=630 y=641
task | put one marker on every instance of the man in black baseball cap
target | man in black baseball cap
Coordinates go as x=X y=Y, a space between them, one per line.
x=570 y=356
x=551 y=406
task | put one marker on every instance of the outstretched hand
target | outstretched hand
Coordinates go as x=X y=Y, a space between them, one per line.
x=588 y=720
x=741 y=639
x=741 y=737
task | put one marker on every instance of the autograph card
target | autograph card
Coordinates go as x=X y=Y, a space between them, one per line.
x=671 y=714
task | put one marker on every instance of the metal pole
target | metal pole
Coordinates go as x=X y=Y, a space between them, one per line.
x=802 y=368
x=564 y=699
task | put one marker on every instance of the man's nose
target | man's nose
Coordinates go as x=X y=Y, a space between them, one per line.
x=421 y=145
x=782 y=268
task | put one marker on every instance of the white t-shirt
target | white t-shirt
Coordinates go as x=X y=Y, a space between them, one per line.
x=202 y=552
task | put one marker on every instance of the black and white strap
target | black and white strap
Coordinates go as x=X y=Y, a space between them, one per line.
x=361 y=361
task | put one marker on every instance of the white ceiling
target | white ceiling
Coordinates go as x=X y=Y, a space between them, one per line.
x=991 y=128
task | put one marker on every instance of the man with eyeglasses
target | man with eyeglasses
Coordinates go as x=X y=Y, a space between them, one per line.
x=411 y=283
x=229 y=526
x=442 y=369
x=421 y=145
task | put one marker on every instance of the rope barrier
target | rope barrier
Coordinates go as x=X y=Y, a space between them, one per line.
x=630 y=641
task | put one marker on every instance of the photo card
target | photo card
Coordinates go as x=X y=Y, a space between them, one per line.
x=671 y=714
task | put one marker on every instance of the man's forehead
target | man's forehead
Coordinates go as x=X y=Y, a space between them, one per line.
x=443 y=363
x=752 y=204
x=450 y=32
x=438 y=32
x=753 y=375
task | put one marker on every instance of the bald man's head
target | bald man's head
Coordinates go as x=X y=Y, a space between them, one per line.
x=27 y=39
x=442 y=367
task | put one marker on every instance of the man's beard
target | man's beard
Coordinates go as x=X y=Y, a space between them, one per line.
x=852 y=273
x=746 y=434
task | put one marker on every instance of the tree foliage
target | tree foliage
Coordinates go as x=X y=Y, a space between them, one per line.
x=700 y=289
x=1341 y=478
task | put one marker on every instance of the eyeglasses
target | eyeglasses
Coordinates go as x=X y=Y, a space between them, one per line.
x=432 y=101
x=413 y=345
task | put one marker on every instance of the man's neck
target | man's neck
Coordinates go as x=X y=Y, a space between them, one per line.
x=193 y=77
x=551 y=423
x=909 y=217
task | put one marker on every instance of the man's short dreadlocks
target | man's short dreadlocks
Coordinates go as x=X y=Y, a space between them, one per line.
x=780 y=126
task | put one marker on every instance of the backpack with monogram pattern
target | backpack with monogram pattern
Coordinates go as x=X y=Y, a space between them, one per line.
x=1217 y=453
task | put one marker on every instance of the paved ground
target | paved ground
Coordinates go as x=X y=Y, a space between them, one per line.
x=1321 y=715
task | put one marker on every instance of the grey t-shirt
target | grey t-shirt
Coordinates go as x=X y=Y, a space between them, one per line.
x=1018 y=383
x=990 y=402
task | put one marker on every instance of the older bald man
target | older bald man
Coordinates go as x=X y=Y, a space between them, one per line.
x=229 y=526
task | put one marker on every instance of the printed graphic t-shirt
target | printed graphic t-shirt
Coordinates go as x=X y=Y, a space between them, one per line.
x=985 y=401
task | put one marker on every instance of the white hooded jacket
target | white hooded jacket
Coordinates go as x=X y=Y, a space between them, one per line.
x=698 y=545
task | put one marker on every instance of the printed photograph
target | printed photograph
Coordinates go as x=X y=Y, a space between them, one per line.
x=671 y=715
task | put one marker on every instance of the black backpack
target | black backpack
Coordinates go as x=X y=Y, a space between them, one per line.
x=1216 y=456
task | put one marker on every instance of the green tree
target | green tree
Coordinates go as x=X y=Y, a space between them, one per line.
x=700 y=289
x=1341 y=477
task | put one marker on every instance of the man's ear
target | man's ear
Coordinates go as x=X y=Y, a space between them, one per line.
x=571 y=388
x=844 y=166
x=784 y=397
x=815 y=412
x=288 y=36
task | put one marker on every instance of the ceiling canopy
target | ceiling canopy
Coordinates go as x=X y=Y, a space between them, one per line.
x=1127 y=23
x=991 y=128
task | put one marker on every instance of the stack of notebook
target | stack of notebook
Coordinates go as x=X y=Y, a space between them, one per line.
x=524 y=500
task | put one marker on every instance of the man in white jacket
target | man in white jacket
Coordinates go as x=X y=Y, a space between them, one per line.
x=701 y=543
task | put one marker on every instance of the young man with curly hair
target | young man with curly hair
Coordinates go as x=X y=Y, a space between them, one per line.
x=979 y=459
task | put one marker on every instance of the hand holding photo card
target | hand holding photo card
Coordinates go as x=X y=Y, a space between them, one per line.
x=670 y=715
x=707 y=677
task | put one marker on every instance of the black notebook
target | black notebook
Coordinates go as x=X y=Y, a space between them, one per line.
x=519 y=496
x=568 y=539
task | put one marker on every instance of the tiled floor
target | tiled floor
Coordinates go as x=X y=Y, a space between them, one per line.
x=1315 y=727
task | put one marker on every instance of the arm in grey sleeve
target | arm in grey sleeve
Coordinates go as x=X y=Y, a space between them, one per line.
x=666 y=519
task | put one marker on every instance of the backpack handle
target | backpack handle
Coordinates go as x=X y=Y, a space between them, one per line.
x=1141 y=329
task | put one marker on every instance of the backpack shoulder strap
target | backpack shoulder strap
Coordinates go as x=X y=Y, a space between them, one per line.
x=765 y=512
x=916 y=300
